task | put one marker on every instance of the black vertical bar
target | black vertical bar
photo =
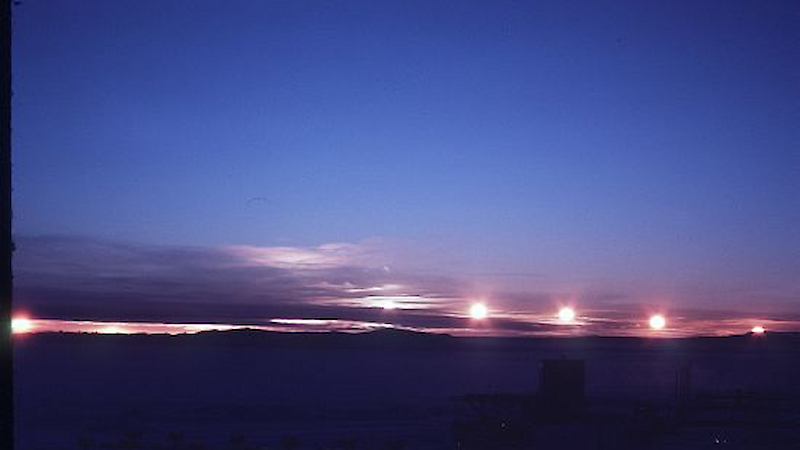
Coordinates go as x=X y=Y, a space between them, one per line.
x=6 y=245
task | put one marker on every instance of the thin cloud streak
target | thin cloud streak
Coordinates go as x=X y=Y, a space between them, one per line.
x=278 y=325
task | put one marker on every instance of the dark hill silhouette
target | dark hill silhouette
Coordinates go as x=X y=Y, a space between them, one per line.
x=393 y=337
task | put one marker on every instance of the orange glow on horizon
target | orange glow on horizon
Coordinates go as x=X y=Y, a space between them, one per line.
x=25 y=325
x=477 y=323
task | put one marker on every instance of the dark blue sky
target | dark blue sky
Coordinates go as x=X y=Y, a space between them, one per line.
x=640 y=152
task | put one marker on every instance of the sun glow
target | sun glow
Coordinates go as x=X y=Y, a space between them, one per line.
x=758 y=330
x=112 y=330
x=566 y=314
x=658 y=322
x=21 y=325
x=478 y=311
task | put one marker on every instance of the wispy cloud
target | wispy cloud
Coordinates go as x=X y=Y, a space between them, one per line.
x=331 y=286
x=326 y=256
x=66 y=277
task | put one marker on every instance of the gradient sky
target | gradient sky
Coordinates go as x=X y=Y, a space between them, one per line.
x=240 y=162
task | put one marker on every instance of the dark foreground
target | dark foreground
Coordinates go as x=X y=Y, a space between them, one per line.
x=398 y=390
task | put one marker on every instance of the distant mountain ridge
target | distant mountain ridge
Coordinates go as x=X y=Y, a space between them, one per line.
x=399 y=338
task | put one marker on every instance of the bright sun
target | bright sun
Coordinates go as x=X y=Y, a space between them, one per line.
x=21 y=325
x=758 y=330
x=566 y=314
x=478 y=311
x=657 y=322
